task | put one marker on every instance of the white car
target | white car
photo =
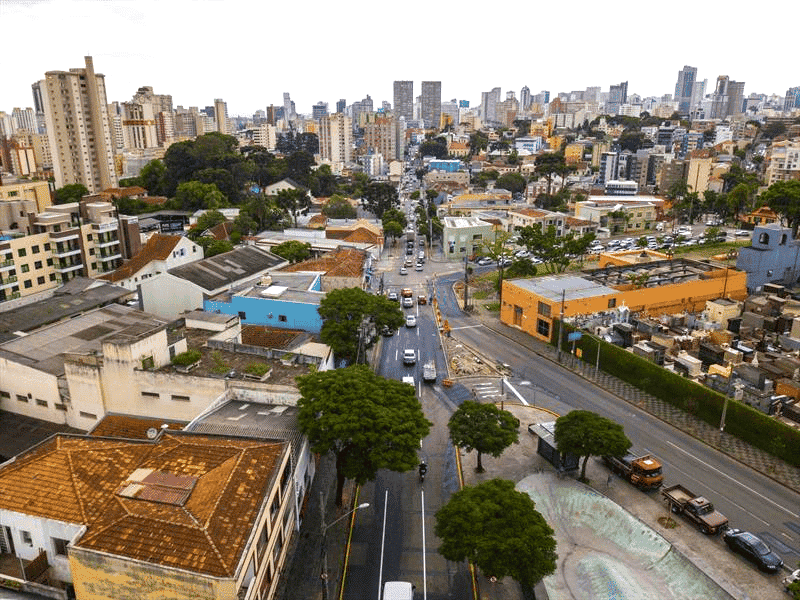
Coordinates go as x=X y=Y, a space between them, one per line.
x=411 y=321
x=408 y=302
x=522 y=254
x=485 y=261
x=409 y=356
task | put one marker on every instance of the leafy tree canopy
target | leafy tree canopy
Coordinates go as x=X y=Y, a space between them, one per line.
x=554 y=252
x=784 y=198
x=194 y=195
x=72 y=192
x=212 y=247
x=293 y=250
x=497 y=248
x=584 y=433
x=396 y=215
x=368 y=422
x=513 y=182
x=483 y=428
x=380 y=197
x=338 y=207
x=344 y=310
x=434 y=147
x=497 y=528
x=293 y=201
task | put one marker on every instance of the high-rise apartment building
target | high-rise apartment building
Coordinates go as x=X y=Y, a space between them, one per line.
x=404 y=99
x=25 y=120
x=792 y=99
x=288 y=107
x=138 y=126
x=335 y=140
x=221 y=115
x=684 y=89
x=728 y=98
x=525 y=98
x=319 y=110
x=341 y=105
x=489 y=102
x=163 y=116
x=617 y=96
x=431 y=107
x=380 y=137
x=79 y=129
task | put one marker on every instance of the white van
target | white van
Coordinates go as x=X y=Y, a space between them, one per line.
x=398 y=590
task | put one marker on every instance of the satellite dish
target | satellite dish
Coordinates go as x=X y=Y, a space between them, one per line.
x=152 y=433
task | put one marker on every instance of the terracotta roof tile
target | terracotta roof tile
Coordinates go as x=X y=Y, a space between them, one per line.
x=129 y=427
x=158 y=247
x=77 y=480
x=342 y=262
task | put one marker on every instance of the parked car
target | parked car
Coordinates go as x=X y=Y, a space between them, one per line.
x=753 y=549
x=485 y=261
x=522 y=254
x=387 y=331
x=741 y=233
x=411 y=321
x=392 y=296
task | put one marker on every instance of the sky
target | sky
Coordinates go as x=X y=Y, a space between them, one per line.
x=249 y=52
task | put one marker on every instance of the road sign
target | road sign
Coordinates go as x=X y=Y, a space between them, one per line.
x=572 y=337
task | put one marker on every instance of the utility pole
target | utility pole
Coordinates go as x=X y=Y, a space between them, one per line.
x=466 y=282
x=561 y=325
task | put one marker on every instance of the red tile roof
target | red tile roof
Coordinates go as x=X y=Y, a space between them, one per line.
x=79 y=480
x=342 y=262
x=158 y=247
x=129 y=427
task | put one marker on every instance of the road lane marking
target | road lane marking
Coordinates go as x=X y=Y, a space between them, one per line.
x=466 y=327
x=383 y=539
x=763 y=497
x=516 y=393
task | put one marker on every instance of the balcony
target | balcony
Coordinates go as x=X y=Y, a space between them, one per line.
x=111 y=225
x=68 y=268
x=30 y=576
x=6 y=265
x=64 y=236
x=65 y=252
x=8 y=282
x=103 y=243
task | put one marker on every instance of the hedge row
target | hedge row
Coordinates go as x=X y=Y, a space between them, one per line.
x=742 y=421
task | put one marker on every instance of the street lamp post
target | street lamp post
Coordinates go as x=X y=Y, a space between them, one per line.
x=324 y=530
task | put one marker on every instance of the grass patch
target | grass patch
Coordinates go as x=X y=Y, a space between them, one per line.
x=480 y=294
x=492 y=307
x=219 y=366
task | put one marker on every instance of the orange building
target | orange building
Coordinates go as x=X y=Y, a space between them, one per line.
x=654 y=288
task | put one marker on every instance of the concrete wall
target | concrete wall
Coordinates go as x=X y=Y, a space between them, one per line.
x=168 y=296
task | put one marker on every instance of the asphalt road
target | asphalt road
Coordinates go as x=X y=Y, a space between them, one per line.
x=749 y=499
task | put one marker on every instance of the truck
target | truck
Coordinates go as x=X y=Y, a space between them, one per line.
x=695 y=508
x=429 y=371
x=642 y=471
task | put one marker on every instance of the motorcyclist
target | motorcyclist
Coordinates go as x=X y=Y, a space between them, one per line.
x=423 y=468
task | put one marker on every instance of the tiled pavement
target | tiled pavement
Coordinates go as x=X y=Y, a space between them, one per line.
x=757 y=459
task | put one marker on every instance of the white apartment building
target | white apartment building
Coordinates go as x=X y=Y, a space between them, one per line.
x=783 y=161
x=265 y=135
x=335 y=141
x=79 y=128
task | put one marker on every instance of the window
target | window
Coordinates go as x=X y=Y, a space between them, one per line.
x=26 y=538
x=22 y=252
x=49 y=262
x=40 y=402
x=282 y=318
x=47 y=247
x=543 y=328
x=285 y=478
x=25 y=268
x=5 y=395
x=35 y=249
x=52 y=276
x=37 y=264
x=544 y=309
x=178 y=398
x=59 y=406
x=89 y=237
x=21 y=398
x=151 y=395
x=28 y=284
x=60 y=546
x=769 y=273
x=40 y=280
x=763 y=238
x=612 y=302
x=87 y=415
x=242 y=315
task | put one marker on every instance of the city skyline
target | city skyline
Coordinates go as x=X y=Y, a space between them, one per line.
x=201 y=51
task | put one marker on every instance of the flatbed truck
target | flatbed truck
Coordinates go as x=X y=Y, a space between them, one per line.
x=697 y=509
x=642 y=471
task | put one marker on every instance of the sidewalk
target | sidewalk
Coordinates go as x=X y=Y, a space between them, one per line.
x=761 y=461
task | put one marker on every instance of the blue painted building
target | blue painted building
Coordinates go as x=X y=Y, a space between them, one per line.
x=449 y=166
x=771 y=257
x=282 y=300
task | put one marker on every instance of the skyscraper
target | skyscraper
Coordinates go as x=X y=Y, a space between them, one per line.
x=727 y=99
x=489 y=102
x=431 y=103
x=221 y=115
x=341 y=105
x=525 y=98
x=288 y=107
x=335 y=140
x=78 y=128
x=684 y=89
x=792 y=99
x=319 y=110
x=617 y=95
x=404 y=99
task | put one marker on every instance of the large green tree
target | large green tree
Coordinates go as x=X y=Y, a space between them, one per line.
x=555 y=252
x=484 y=428
x=513 y=182
x=498 y=529
x=293 y=250
x=380 y=197
x=584 y=434
x=72 y=192
x=338 y=207
x=498 y=248
x=293 y=201
x=549 y=164
x=193 y=195
x=434 y=147
x=368 y=422
x=350 y=314
x=784 y=198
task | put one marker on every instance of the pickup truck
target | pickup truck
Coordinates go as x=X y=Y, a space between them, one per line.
x=429 y=371
x=642 y=471
x=695 y=508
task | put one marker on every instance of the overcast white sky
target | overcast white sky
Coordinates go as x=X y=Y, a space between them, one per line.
x=249 y=52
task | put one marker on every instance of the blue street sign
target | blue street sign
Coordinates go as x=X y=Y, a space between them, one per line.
x=573 y=337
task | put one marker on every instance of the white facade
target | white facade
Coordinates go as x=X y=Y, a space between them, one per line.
x=168 y=296
x=266 y=135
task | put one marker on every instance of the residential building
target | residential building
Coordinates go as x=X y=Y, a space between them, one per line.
x=727 y=99
x=617 y=96
x=663 y=287
x=525 y=98
x=335 y=141
x=265 y=135
x=528 y=217
x=130 y=516
x=771 y=257
x=609 y=162
x=404 y=99
x=221 y=115
x=37 y=192
x=618 y=215
x=160 y=253
x=791 y=99
x=139 y=128
x=488 y=111
x=684 y=89
x=79 y=128
x=699 y=171
x=431 y=104
x=464 y=236
x=381 y=137
x=782 y=161
x=319 y=110
x=620 y=187
x=763 y=215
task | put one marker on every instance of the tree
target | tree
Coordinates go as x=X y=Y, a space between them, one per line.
x=483 y=428
x=152 y=177
x=497 y=249
x=434 y=147
x=554 y=252
x=393 y=214
x=293 y=201
x=513 y=182
x=784 y=198
x=206 y=221
x=193 y=195
x=549 y=164
x=584 y=433
x=478 y=141
x=344 y=313
x=338 y=207
x=642 y=242
x=368 y=422
x=499 y=530
x=72 y=192
x=293 y=250
x=213 y=247
x=380 y=197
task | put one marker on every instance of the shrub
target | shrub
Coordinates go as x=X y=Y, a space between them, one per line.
x=257 y=369
x=184 y=359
